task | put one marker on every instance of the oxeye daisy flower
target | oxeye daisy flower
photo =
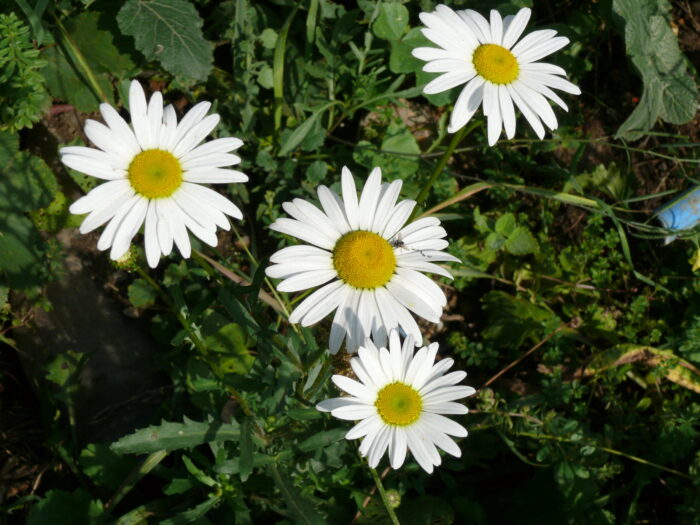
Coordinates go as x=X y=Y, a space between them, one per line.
x=498 y=70
x=154 y=169
x=368 y=262
x=398 y=402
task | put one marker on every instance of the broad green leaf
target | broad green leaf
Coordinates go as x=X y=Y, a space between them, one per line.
x=512 y=320
x=169 y=31
x=26 y=183
x=60 y=507
x=521 y=242
x=401 y=60
x=391 y=22
x=105 y=468
x=172 y=436
x=21 y=255
x=141 y=294
x=105 y=50
x=66 y=84
x=669 y=90
x=230 y=341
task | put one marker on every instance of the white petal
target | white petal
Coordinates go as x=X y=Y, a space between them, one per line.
x=350 y=198
x=542 y=49
x=128 y=228
x=496 y=27
x=212 y=198
x=516 y=27
x=507 y=111
x=139 y=114
x=106 y=210
x=355 y=412
x=100 y=196
x=448 y=81
x=527 y=112
x=107 y=237
x=354 y=388
x=324 y=293
x=302 y=231
x=369 y=199
x=371 y=424
x=151 y=236
x=467 y=103
x=399 y=216
x=333 y=208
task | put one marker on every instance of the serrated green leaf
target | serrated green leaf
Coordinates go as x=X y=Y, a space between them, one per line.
x=505 y=224
x=679 y=100
x=141 y=294
x=298 y=506
x=172 y=436
x=169 y=31
x=521 y=242
x=391 y=21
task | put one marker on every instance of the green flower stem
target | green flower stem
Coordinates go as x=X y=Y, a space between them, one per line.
x=196 y=341
x=269 y=284
x=385 y=498
x=80 y=61
x=134 y=476
x=456 y=139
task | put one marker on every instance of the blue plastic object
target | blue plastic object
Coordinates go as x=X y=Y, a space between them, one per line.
x=682 y=213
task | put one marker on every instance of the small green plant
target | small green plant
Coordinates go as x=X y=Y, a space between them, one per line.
x=23 y=95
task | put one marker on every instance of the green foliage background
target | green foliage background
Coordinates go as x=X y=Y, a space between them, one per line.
x=564 y=277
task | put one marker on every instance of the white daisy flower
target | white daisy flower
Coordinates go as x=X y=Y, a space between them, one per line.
x=399 y=401
x=497 y=70
x=369 y=263
x=155 y=169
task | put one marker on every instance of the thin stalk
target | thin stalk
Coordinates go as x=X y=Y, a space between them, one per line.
x=267 y=281
x=456 y=139
x=196 y=341
x=605 y=449
x=135 y=476
x=80 y=60
x=385 y=498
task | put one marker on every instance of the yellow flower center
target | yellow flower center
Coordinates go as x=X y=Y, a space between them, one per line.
x=155 y=173
x=364 y=259
x=496 y=64
x=399 y=404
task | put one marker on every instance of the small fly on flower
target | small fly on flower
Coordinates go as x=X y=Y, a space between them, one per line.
x=397 y=242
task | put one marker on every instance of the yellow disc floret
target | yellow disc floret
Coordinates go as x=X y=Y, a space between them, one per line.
x=496 y=64
x=155 y=173
x=364 y=259
x=399 y=404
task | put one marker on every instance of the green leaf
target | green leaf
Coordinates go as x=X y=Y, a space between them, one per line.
x=26 y=183
x=246 y=448
x=391 y=21
x=66 y=84
x=105 y=468
x=521 y=242
x=192 y=515
x=230 y=341
x=669 y=90
x=141 y=294
x=104 y=49
x=169 y=31
x=20 y=251
x=60 y=507
x=512 y=320
x=401 y=60
x=172 y=436
x=298 y=506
